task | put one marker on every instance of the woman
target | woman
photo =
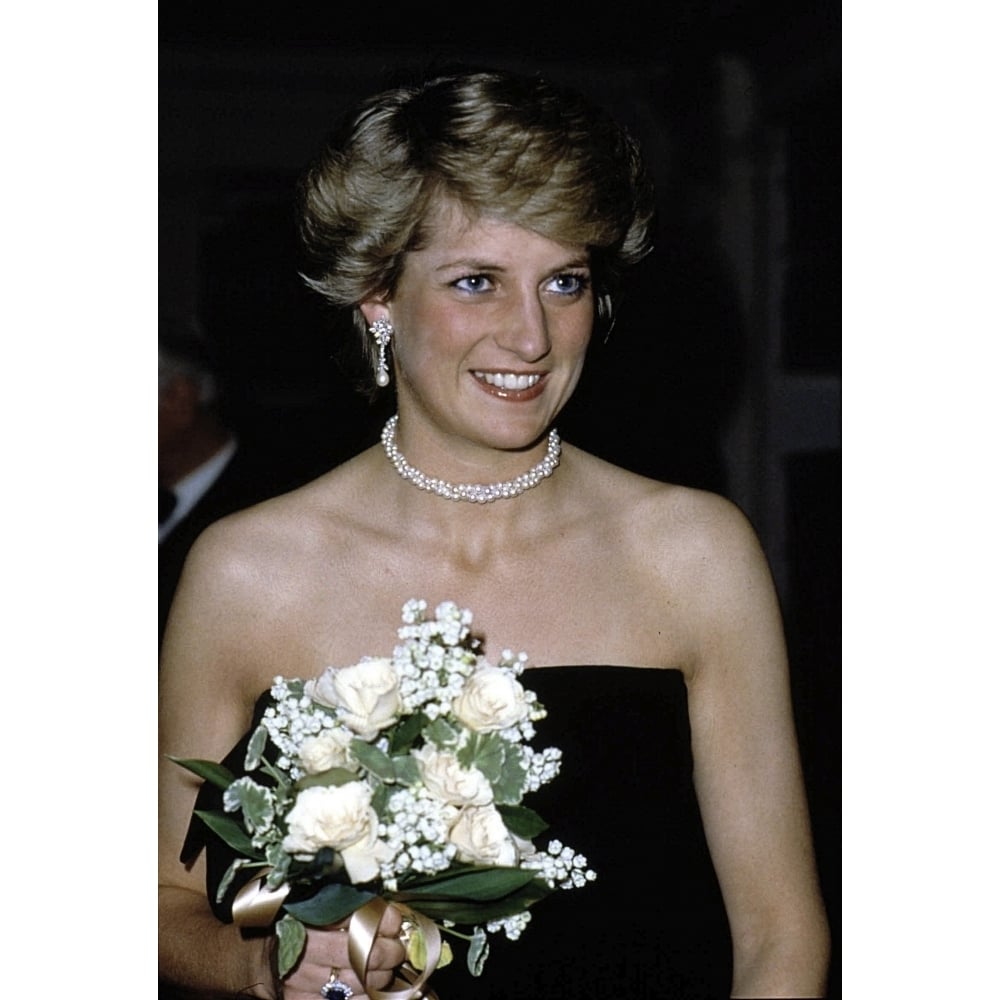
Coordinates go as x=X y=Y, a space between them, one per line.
x=477 y=226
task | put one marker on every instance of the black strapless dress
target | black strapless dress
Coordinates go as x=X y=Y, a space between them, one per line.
x=652 y=926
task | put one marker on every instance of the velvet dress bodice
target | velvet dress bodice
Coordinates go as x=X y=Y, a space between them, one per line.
x=652 y=925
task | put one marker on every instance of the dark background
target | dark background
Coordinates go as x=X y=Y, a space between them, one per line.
x=723 y=370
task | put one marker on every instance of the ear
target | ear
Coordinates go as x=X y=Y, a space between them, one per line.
x=373 y=309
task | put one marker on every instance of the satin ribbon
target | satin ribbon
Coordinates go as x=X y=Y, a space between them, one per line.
x=361 y=940
x=257 y=906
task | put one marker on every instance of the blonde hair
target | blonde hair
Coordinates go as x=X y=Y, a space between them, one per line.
x=515 y=148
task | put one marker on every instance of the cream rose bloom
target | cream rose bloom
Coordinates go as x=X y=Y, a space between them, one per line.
x=331 y=748
x=362 y=858
x=490 y=701
x=367 y=695
x=481 y=837
x=448 y=781
x=340 y=817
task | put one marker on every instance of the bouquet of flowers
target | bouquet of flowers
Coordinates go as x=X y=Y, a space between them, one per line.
x=400 y=778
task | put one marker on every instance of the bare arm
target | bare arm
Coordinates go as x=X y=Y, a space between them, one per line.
x=222 y=647
x=747 y=769
x=203 y=712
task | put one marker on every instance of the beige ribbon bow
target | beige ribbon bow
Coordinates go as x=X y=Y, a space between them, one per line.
x=257 y=906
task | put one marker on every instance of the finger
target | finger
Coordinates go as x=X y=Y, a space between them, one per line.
x=341 y=984
x=339 y=980
x=387 y=953
x=391 y=923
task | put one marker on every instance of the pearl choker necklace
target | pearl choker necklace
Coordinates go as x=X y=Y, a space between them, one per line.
x=473 y=492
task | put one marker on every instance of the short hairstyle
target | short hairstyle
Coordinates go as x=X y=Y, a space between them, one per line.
x=516 y=148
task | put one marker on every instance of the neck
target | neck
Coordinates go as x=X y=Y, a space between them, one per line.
x=480 y=538
x=476 y=491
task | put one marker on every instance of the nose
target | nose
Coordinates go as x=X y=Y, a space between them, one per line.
x=524 y=328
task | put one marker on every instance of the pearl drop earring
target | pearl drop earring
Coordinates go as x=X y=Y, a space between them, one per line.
x=382 y=331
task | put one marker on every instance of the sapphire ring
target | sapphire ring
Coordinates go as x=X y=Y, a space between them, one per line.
x=334 y=988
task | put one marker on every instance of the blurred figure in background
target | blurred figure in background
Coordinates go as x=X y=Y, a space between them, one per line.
x=205 y=471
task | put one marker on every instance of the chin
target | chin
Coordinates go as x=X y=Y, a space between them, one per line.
x=519 y=434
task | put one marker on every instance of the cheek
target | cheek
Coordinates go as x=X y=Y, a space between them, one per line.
x=574 y=324
x=425 y=333
x=575 y=334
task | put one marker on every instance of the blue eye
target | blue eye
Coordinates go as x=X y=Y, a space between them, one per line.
x=569 y=284
x=474 y=283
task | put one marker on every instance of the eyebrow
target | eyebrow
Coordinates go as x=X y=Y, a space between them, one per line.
x=468 y=264
x=473 y=264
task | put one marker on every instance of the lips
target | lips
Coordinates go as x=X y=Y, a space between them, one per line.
x=510 y=385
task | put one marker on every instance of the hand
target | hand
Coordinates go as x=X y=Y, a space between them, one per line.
x=326 y=949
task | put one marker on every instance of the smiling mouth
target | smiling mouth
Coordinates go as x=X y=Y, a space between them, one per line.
x=507 y=380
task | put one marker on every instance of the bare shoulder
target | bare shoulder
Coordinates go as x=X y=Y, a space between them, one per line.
x=249 y=577
x=690 y=559
x=706 y=545
x=280 y=536
x=708 y=529
x=703 y=561
x=702 y=526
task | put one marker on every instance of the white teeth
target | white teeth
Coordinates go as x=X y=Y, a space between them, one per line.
x=508 y=381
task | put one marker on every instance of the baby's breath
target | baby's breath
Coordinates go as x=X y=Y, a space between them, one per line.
x=512 y=927
x=541 y=766
x=290 y=719
x=415 y=828
x=561 y=867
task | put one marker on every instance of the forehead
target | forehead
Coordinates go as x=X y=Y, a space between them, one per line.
x=451 y=228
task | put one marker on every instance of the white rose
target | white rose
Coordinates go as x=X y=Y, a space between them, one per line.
x=481 y=837
x=367 y=695
x=331 y=748
x=448 y=781
x=362 y=858
x=491 y=700
x=334 y=816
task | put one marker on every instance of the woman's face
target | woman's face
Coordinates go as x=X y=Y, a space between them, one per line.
x=492 y=323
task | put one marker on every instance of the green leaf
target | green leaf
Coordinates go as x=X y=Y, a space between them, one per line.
x=291 y=941
x=213 y=773
x=469 y=912
x=522 y=821
x=230 y=831
x=255 y=749
x=407 y=770
x=486 y=752
x=256 y=802
x=475 y=884
x=405 y=734
x=284 y=798
x=479 y=951
x=380 y=796
x=280 y=862
x=374 y=760
x=441 y=734
x=227 y=879
x=330 y=904
x=296 y=687
x=508 y=786
x=334 y=776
